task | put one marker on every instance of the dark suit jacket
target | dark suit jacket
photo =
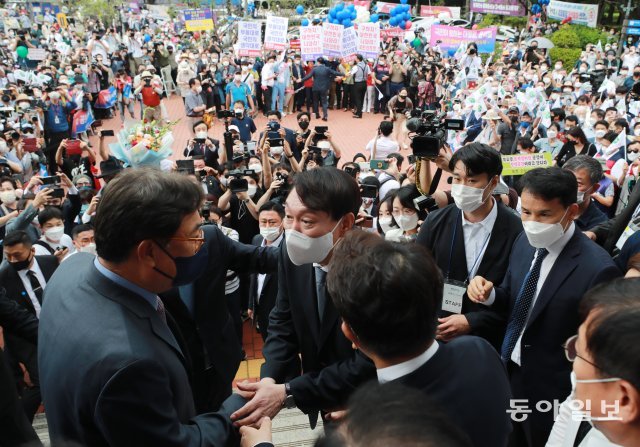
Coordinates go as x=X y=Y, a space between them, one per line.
x=297 y=71
x=263 y=304
x=213 y=324
x=322 y=77
x=112 y=372
x=608 y=233
x=436 y=235
x=473 y=127
x=298 y=343
x=545 y=371
x=467 y=380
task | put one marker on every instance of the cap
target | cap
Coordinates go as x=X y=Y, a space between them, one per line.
x=514 y=109
x=234 y=127
x=22 y=97
x=79 y=177
x=146 y=74
x=110 y=166
x=491 y=115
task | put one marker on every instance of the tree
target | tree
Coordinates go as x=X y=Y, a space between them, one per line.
x=104 y=10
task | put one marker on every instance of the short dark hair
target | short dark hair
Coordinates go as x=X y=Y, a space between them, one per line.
x=10 y=180
x=590 y=164
x=274 y=113
x=559 y=112
x=399 y=158
x=621 y=122
x=613 y=331
x=386 y=127
x=192 y=81
x=393 y=414
x=389 y=294
x=551 y=183
x=272 y=206
x=80 y=229
x=197 y=123
x=601 y=123
x=406 y=194
x=599 y=113
x=17 y=237
x=478 y=158
x=525 y=143
x=301 y=114
x=142 y=204
x=330 y=190
x=610 y=136
x=572 y=118
x=49 y=213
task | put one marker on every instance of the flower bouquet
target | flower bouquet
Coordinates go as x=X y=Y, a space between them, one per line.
x=144 y=144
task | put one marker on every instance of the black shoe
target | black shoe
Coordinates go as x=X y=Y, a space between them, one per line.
x=324 y=118
x=357 y=116
x=317 y=117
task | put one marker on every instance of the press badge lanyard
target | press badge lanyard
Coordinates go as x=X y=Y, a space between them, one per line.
x=478 y=257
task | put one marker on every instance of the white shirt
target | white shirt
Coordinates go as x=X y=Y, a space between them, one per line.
x=545 y=269
x=35 y=268
x=65 y=242
x=476 y=238
x=262 y=276
x=384 y=147
x=394 y=372
x=267 y=73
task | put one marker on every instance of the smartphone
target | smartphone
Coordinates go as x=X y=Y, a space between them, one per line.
x=238 y=185
x=73 y=147
x=107 y=133
x=57 y=193
x=251 y=146
x=273 y=135
x=30 y=144
x=321 y=129
x=367 y=222
x=412 y=159
x=379 y=164
x=53 y=180
x=315 y=150
x=369 y=191
x=276 y=142
x=185 y=165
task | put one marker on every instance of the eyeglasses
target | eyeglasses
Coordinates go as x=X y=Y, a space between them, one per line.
x=571 y=353
x=197 y=242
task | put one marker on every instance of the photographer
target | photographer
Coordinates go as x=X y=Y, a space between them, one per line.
x=57 y=110
x=97 y=80
x=398 y=107
x=151 y=99
x=382 y=145
x=204 y=146
x=533 y=55
x=472 y=64
x=241 y=204
x=329 y=149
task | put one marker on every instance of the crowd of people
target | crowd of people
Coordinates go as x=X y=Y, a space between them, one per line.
x=403 y=298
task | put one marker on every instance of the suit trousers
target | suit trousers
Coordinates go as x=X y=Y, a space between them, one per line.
x=359 y=91
x=347 y=96
x=266 y=95
x=308 y=96
x=523 y=435
x=299 y=98
x=322 y=97
x=235 y=306
x=258 y=98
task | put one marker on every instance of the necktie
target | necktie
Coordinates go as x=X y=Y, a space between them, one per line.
x=35 y=285
x=160 y=309
x=523 y=305
x=321 y=291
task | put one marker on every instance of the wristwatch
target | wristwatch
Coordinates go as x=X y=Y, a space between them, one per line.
x=289 y=401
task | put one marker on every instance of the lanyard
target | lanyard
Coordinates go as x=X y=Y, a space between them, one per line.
x=478 y=257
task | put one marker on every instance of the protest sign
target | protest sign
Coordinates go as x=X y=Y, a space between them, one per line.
x=389 y=33
x=369 y=39
x=349 y=44
x=499 y=7
x=332 y=39
x=452 y=12
x=580 y=13
x=37 y=54
x=310 y=42
x=249 y=39
x=275 y=36
x=198 y=19
x=451 y=37
x=522 y=163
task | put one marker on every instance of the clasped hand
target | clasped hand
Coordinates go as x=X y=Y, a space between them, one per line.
x=266 y=399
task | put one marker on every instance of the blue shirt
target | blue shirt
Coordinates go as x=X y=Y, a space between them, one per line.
x=56 y=116
x=148 y=296
x=238 y=92
x=246 y=126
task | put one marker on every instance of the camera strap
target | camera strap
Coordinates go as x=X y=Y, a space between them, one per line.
x=435 y=181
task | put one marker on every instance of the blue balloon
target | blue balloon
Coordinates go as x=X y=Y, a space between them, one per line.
x=402 y=24
x=351 y=7
x=407 y=16
x=407 y=8
x=305 y=22
x=536 y=9
x=339 y=6
x=393 y=21
x=347 y=23
x=451 y=53
x=300 y=9
x=332 y=13
x=354 y=15
x=374 y=18
x=404 y=2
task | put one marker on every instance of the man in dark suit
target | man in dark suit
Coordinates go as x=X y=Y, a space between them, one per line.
x=114 y=367
x=322 y=78
x=25 y=277
x=388 y=296
x=16 y=429
x=308 y=361
x=551 y=267
x=472 y=237
x=264 y=287
x=297 y=73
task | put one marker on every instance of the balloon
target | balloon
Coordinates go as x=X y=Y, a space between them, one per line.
x=407 y=8
x=351 y=7
x=22 y=51
x=300 y=9
x=451 y=53
x=147 y=38
x=375 y=18
x=404 y=2
x=535 y=9
x=408 y=25
x=347 y=23
x=305 y=22
x=393 y=21
x=475 y=26
x=402 y=24
x=332 y=13
x=407 y=16
x=340 y=6
x=354 y=15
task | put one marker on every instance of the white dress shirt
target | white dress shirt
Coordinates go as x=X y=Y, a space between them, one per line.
x=267 y=74
x=384 y=147
x=27 y=284
x=262 y=276
x=545 y=269
x=394 y=372
x=476 y=238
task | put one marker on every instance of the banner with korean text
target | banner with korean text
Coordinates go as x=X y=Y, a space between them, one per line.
x=580 y=13
x=452 y=12
x=249 y=39
x=499 y=7
x=332 y=39
x=369 y=39
x=349 y=44
x=275 y=36
x=198 y=19
x=451 y=37
x=522 y=163
x=310 y=42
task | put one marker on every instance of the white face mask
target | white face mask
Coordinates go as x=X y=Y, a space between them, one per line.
x=543 y=235
x=631 y=156
x=637 y=132
x=3 y=147
x=276 y=150
x=600 y=133
x=252 y=190
x=89 y=248
x=8 y=197
x=55 y=233
x=201 y=135
x=256 y=167
x=239 y=111
x=303 y=249
x=581 y=194
x=199 y=89
x=407 y=223
x=468 y=198
x=270 y=233
x=552 y=134
x=385 y=223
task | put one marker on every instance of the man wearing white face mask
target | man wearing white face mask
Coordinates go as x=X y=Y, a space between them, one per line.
x=264 y=287
x=309 y=363
x=83 y=240
x=472 y=237
x=588 y=172
x=551 y=268
x=53 y=240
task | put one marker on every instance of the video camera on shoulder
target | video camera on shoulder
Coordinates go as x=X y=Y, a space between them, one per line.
x=273 y=126
x=237 y=182
x=425 y=203
x=224 y=114
x=430 y=130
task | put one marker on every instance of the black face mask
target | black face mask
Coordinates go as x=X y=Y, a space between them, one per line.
x=303 y=124
x=21 y=265
x=514 y=119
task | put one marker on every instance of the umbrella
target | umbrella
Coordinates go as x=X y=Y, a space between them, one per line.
x=543 y=42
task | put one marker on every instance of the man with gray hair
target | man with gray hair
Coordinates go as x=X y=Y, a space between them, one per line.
x=588 y=172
